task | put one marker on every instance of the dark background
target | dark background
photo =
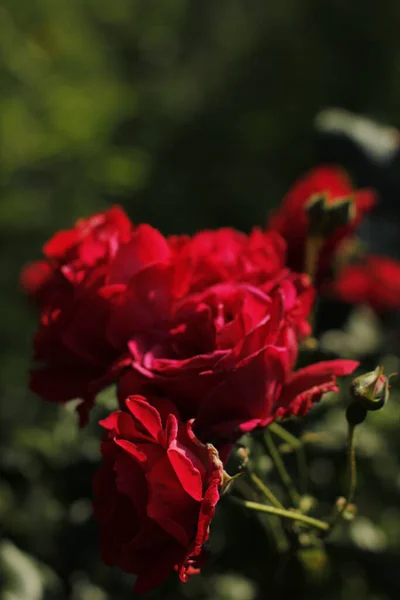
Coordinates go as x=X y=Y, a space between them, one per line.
x=191 y=114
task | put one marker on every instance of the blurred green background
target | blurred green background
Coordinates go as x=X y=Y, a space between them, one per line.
x=191 y=114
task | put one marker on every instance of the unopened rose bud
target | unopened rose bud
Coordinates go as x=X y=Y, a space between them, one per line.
x=350 y=512
x=242 y=456
x=371 y=390
x=238 y=459
x=324 y=219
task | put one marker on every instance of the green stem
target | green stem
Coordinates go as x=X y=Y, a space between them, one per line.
x=245 y=489
x=313 y=248
x=281 y=512
x=272 y=499
x=352 y=476
x=298 y=447
x=352 y=467
x=272 y=523
x=281 y=469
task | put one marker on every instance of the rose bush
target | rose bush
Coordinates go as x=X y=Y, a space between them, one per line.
x=155 y=493
x=201 y=336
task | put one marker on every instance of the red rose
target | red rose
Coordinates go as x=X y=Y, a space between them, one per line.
x=227 y=255
x=291 y=220
x=375 y=282
x=72 y=344
x=155 y=493
x=71 y=254
x=130 y=308
x=228 y=333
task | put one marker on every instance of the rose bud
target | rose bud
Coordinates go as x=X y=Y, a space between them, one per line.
x=371 y=389
x=243 y=456
x=324 y=219
x=238 y=460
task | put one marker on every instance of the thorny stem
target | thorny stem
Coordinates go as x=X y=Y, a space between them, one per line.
x=281 y=512
x=281 y=469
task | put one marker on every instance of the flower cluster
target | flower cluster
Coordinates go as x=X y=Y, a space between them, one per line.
x=201 y=336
